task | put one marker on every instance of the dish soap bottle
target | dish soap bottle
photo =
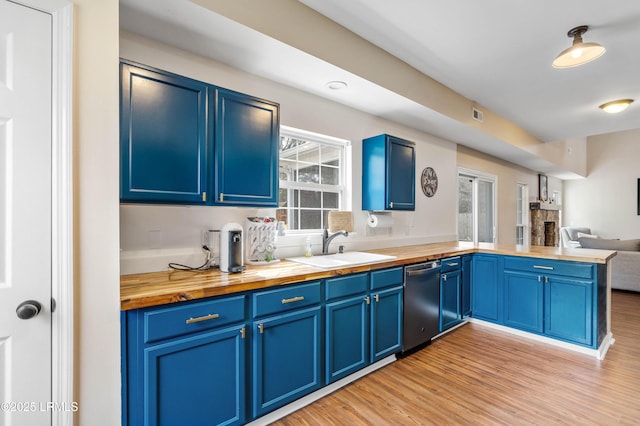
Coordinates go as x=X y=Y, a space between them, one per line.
x=307 y=247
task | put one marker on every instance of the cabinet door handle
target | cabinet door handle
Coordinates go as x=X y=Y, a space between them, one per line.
x=221 y=197
x=368 y=300
x=548 y=268
x=261 y=328
x=391 y=205
x=243 y=332
x=452 y=264
x=546 y=279
x=204 y=196
x=377 y=297
x=204 y=318
x=539 y=278
x=444 y=277
x=293 y=299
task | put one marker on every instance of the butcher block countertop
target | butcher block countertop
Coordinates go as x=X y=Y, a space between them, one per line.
x=159 y=288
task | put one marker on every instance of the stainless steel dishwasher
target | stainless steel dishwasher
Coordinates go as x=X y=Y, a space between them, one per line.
x=421 y=304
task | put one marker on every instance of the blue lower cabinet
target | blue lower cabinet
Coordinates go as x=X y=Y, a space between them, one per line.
x=523 y=301
x=450 y=284
x=569 y=310
x=196 y=380
x=486 y=289
x=386 y=323
x=286 y=358
x=347 y=338
x=465 y=288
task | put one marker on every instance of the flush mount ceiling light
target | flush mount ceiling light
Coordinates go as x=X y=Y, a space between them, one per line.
x=337 y=85
x=614 y=107
x=579 y=53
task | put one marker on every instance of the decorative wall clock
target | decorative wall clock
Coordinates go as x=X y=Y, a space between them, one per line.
x=429 y=182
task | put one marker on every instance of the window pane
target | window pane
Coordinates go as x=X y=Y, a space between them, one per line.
x=465 y=209
x=330 y=175
x=310 y=199
x=287 y=170
x=485 y=211
x=330 y=200
x=307 y=173
x=310 y=219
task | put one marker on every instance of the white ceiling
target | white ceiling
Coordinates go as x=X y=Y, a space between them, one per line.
x=494 y=52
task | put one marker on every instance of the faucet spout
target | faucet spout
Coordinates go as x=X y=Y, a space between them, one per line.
x=326 y=239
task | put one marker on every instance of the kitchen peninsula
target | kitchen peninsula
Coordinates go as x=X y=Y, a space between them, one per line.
x=247 y=331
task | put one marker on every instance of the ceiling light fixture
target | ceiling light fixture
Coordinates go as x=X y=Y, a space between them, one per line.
x=579 y=53
x=337 y=85
x=614 y=107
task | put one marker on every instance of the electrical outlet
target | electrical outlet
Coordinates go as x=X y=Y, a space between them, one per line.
x=205 y=238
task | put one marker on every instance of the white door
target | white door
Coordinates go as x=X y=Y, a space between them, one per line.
x=25 y=214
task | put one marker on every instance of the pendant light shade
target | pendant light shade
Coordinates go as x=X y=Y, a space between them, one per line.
x=579 y=53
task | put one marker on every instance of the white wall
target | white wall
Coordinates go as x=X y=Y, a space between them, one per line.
x=179 y=228
x=96 y=165
x=606 y=201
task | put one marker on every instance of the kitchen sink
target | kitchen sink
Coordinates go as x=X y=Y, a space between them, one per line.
x=341 y=259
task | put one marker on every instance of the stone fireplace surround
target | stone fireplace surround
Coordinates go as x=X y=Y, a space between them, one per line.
x=541 y=214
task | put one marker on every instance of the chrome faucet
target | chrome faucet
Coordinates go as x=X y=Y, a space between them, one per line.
x=326 y=239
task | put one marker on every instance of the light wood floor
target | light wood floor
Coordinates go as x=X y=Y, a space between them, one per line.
x=478 y=376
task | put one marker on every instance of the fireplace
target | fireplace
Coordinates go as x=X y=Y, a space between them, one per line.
x=545 y=228
x=550 y=234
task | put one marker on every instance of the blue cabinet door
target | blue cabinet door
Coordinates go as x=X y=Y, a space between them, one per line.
x=450 y=299
x=485 y=291
x=386 y=323
x=388 y=173
x=523 y=301
x=163 y=137
x=195 y=380
x=246 y=150
x=569 y=310
x=465 y=288
x=347 y=338
x=286 y=359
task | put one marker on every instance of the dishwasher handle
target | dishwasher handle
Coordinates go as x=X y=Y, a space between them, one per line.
x=423 y=269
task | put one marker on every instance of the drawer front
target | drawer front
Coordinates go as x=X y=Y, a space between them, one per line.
x=450 y=264
x=550 y=267
x=387 y=278
x=346 y=286
x=286 y=298
x=178 y=320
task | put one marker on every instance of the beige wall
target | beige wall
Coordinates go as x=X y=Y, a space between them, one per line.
x=606 y=201
x=95 y=139
x=508 y=176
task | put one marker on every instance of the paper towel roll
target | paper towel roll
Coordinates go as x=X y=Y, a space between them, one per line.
x=378 y=221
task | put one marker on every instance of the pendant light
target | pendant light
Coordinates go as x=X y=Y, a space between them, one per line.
x=579 y=53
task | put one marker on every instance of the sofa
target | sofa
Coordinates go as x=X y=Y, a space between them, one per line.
x=625 y=266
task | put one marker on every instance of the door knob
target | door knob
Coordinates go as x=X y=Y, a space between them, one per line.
x=28 y=309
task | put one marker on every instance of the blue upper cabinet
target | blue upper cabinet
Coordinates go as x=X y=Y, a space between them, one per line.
x=187 y=142
x=163 y=137
x=246 y=150
x=388 y=173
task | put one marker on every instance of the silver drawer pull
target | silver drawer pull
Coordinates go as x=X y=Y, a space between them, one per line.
x=293 y=299
x=452 y=264
x=550 y=268
x=204 y=318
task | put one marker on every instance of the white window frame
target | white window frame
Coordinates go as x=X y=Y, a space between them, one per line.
x=523 y=221
x=343 y=188
x=477 y=176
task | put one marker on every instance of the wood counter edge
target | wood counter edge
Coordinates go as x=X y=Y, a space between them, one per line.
x=166 y=287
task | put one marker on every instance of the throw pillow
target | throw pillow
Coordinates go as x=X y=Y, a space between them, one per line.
x=580 y=235
x=605 y=244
